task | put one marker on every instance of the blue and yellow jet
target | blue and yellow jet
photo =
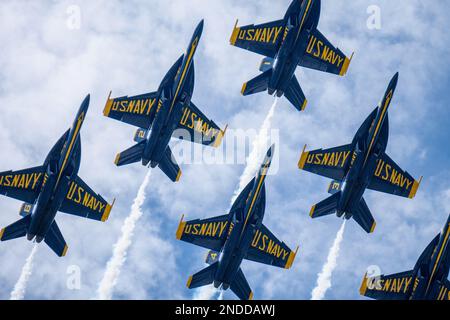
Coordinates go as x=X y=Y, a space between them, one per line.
x=427 y=281
x=360 y=165
x=238 y=235
x=166 y=113
x=287 y=43
x=54 y=186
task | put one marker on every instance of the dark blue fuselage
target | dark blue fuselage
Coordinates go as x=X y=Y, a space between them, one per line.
x=175 y=91
x=301 y=18
x=369 y=145
x=61 y=167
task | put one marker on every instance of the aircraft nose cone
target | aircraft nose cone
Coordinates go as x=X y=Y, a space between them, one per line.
x=394 y=80
x=200 y=26
x=85 y=103
x=271 y=151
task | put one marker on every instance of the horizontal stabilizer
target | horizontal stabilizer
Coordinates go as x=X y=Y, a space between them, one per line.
x=25 y=209
x=212 y=257
x=257 y=84
x=203 y=277
x=140 y=135
x=295 y=95
x=241 y=287
x=16 y=230
x=363 y=217
x=131 y=155
x=169 y=166
x=55 y=240
x=326 y=207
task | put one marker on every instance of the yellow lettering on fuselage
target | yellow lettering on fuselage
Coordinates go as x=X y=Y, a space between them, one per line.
x=319 y=49
x=82 y=197
x=209 y=229
x=330 y=159
x=386 y=172
x=193 y=121
x=263 y=243
x=265 y=35
x=20 y=181
x=134 y=106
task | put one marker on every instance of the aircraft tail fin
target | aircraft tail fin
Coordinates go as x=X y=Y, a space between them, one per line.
x=295 y=95
x=326 y=207
x=363 y=217
x=16 y=230
x=55 y=240
x=203 y=277
x=241 y=287
x=169 y=166
x=257 y=84
x=131 y=155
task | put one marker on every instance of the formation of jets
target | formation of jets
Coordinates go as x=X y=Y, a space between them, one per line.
x=169 y=113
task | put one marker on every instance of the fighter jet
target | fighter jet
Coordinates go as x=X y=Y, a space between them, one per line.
x=427 y=281
x=287 y=43
x=238 y=235
x=52 y=187
x=165 y=113
x=360 y=165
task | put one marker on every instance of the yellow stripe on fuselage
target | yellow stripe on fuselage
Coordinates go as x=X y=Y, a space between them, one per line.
x=74 y=137
x=183 y=74
x=255 y=196
x=380 y=121
x=444 y=243
x=303 y=19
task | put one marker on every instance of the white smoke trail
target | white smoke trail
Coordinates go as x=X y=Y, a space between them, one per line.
x=115 y=263
x=324 y=277
x=21 y=285
x=259 y=148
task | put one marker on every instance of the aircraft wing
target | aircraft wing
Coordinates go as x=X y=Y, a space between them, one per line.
x=263 y=38
x=194 y=126
x=321 y=55
x=82 y=201
x=331 y=163
x=266 y=248
x=23 y=185
x=209 y=233
x=391 y=287
x=135 y=110
x=390 y=178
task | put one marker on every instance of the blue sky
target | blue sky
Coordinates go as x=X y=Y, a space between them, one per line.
x=46 y=69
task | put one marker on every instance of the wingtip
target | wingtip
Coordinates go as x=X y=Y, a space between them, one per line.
x=188 y=283
x=220 y=136
x=311 y=212
x=250 y=296
x=1 y=234
x=180 y=229
x=178 y=176
x=234 y=34
x=363 y=288
x=108 y=105
x=105 y=215
x=414 y=188
x=303 y=157
x=117 y=159
x=291 y=258
x=64 y=251
x=346 y=65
